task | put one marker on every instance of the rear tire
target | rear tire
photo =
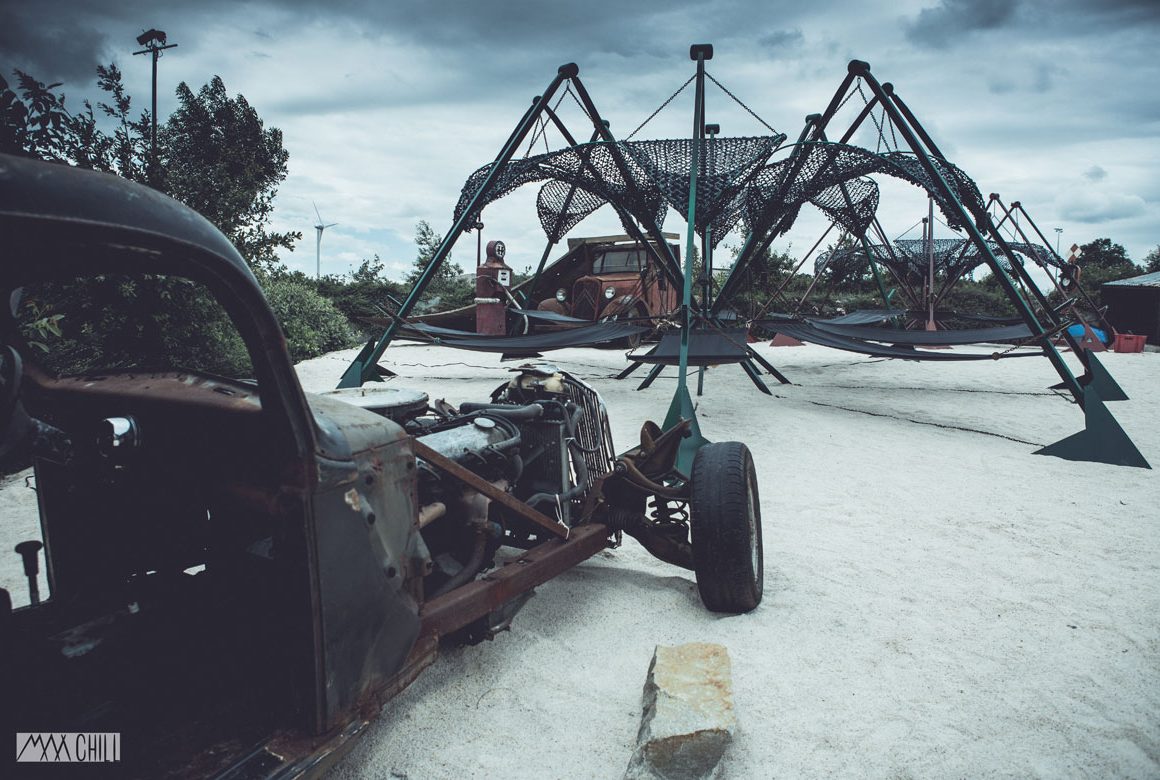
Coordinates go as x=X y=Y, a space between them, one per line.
x=725 y=520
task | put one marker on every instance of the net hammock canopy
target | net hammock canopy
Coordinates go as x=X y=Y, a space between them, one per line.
x=737 y=183
x=908 y=260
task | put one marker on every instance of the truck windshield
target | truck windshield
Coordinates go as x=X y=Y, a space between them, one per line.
x=143 y=322
x=620 y=261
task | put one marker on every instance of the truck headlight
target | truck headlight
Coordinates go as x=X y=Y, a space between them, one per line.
x=561 y=295
x=610 y=293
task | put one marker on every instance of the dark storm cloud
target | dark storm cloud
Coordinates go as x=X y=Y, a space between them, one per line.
x=951 y=19
x=1041 y=77
x=1094 y=208
x=782 y=43
x=57 y=49
x=1095 y=173
x=63 y=34
x=65 y=39
x=1095 y=16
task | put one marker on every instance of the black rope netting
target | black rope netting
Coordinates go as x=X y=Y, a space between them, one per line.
x=909 y=261
x=735 y=183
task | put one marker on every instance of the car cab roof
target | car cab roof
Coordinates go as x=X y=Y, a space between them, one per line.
x=57 y=201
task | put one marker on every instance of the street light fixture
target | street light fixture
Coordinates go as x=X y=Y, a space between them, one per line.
x=154 y=42
x=1058 y=231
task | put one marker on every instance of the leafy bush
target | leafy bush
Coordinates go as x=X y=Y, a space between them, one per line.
x=363 y=295
x=313 y=324
x=142 y=321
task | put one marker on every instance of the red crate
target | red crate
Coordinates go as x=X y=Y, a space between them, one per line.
x=1126 y=342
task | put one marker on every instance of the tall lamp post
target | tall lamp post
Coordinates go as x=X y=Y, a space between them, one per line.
x=154 y=43
x=1058 y=232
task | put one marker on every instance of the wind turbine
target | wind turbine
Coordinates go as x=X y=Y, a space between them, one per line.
x=318 y=244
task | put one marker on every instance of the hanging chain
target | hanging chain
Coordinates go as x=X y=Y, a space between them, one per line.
x=568 y=91
x=662 y=107
x=850 y=94
x=737 y=100
x=877 y=126
x=1030 y=342
x=535 y=137
x=542 y=127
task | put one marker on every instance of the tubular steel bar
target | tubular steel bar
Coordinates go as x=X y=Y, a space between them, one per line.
x=758 y=241
x=601 y=131
x=862 y=238
x=700 y=53
x=1022 y=275
x=478 y=483
x=555 y=238
x=671 y=265
x=681 y=407
x=1017 y=206
x=466 y=604
x=364 y=367
x=1008 y=285
x=815 y=125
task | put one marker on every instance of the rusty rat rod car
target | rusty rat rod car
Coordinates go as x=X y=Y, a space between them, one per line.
x=240 y=574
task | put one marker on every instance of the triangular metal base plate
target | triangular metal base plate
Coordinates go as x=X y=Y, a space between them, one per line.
x=1103 y=383
x=1101 y=441
x=681 y=408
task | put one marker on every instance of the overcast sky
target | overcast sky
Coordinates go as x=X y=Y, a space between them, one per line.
x=387 y=107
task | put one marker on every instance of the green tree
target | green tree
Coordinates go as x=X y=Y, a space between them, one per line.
x=36 y=123
x=446 y=289
x=218 y=157
x=1152 y=261
x=1103 y=261
x=126 y=152
x=365 y=294
x=215 y=153
x=765 y=275
x=1102 y=253
x=312 y=324
x=35 y=120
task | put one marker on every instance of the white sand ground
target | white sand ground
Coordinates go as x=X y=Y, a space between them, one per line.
x=939 y=602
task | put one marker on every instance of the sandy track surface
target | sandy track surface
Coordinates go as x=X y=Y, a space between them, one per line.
x=939 y=602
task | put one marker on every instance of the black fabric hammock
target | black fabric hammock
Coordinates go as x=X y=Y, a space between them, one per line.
x=706 y=348
x=927 y=337
x=599 y=333
x=807 y=332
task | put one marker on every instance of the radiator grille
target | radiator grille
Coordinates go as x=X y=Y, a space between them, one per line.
x=593 y=433
x=586 y=300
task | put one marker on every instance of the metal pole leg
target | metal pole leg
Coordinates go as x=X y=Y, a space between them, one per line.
x=648 y=380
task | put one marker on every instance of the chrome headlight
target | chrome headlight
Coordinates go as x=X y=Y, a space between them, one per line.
x=610 y=293
x=561 y=295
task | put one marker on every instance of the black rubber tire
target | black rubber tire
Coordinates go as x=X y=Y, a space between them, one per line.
x=632 y=342
x=725 y=520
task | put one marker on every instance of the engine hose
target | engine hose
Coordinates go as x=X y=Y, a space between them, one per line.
x=575 y=491
x=474 y=563
x=529 y=412
x=517 y=464
x=506 y=444
x=572 y=418
x=580 y=465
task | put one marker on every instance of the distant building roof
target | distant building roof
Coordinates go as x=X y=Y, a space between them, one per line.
x=1143 y=280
